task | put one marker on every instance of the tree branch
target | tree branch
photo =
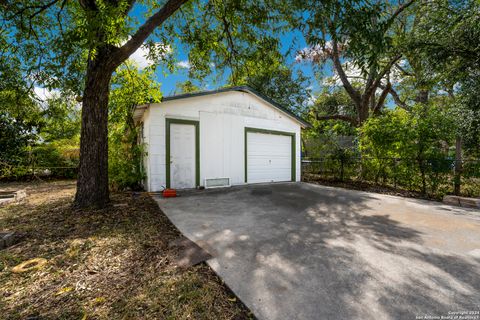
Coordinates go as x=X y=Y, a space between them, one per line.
x=348 y=119
x=397 y=12
x=354 y=94
x=381 y=99
x=395 y=97
x=88 y=4
x=405 y=72
x=38 y=9
x=375 y=84
x=145 y=30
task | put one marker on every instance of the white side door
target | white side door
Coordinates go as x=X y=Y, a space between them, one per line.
x=269 y=157
x=182 y=156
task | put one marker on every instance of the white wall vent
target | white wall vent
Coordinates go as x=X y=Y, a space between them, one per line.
x=216 y=183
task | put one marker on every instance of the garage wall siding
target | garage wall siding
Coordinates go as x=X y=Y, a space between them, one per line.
x=222 y=117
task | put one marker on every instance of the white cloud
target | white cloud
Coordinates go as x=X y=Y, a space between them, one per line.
x=43 y=93
x=310 y=100
x=141 y=59
x=184 y=64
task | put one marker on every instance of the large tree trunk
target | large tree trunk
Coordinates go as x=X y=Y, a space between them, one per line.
x=92 y=184
x=363 y=111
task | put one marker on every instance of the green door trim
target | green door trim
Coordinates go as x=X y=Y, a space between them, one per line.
x=168 y=122
x=274 y=132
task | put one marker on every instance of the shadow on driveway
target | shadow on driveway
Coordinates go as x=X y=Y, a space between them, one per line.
x=302 y=251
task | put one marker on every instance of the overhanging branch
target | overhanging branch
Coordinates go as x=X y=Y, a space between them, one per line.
x=145 y=30
x=399 y=10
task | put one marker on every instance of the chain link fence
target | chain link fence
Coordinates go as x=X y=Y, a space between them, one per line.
x=431 y=177
x=14 y=173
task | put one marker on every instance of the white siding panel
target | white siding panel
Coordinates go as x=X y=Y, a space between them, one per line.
x=156 y=146
x=223 y=118
x=211 y=145
x=157 y=129
x=157 y=164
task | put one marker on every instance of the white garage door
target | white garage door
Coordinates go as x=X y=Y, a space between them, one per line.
x=269 y=157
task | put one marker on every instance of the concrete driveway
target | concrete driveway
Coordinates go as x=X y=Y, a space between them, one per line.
x=303 y=251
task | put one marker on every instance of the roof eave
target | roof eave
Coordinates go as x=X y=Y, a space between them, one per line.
x=247 y=89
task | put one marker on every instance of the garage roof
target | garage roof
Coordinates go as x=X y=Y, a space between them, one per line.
x=139 y=110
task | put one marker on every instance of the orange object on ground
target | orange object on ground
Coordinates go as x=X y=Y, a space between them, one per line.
x=169 y=193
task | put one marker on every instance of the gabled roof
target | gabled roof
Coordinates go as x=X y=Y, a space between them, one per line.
x=241 y=89
x=139 y=110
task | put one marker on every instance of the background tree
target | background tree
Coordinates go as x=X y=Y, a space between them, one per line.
x=335 y=102
x=71 y=43
x=354 y=36
x=130 y=87
x=447 y=39
x=15 y=138
x=186 y=86
x=61 y=116
x=268 y=73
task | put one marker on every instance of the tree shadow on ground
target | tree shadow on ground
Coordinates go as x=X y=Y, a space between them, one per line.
x=106 y=264
x=301 y=251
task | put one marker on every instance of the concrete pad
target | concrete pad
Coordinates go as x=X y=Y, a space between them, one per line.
x=8 y=197
x=462 y=201
x=189 y=253
x=303 y=251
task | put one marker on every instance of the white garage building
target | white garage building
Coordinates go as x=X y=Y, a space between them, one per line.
x=230 y=136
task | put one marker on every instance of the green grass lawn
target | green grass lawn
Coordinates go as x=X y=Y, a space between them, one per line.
x=104 y=264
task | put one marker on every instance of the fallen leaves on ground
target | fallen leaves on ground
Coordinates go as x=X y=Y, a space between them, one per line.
x=102 y=264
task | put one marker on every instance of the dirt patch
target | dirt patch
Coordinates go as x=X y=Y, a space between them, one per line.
x=104 y=264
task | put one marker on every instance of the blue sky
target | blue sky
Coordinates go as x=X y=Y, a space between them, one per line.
x=170 y=80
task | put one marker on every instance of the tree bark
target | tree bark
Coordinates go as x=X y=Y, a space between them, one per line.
x=92 y=183
x=363 y=112
x=422 y=96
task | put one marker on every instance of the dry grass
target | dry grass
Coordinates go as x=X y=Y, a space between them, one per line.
x=105 y=264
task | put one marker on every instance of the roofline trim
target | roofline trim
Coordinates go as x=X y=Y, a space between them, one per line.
x=246 y=89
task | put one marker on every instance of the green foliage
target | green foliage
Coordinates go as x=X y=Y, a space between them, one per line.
x=468 y=115
x=420 y=138
x=228 y=35
x=387 y=135
x=186 y=87
x=276 y=81
x=60 y=118
x=125 y=168
x=15 y=137
x=130 y=87
x=328 y=137
x=447 y=38
x=336 y=102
